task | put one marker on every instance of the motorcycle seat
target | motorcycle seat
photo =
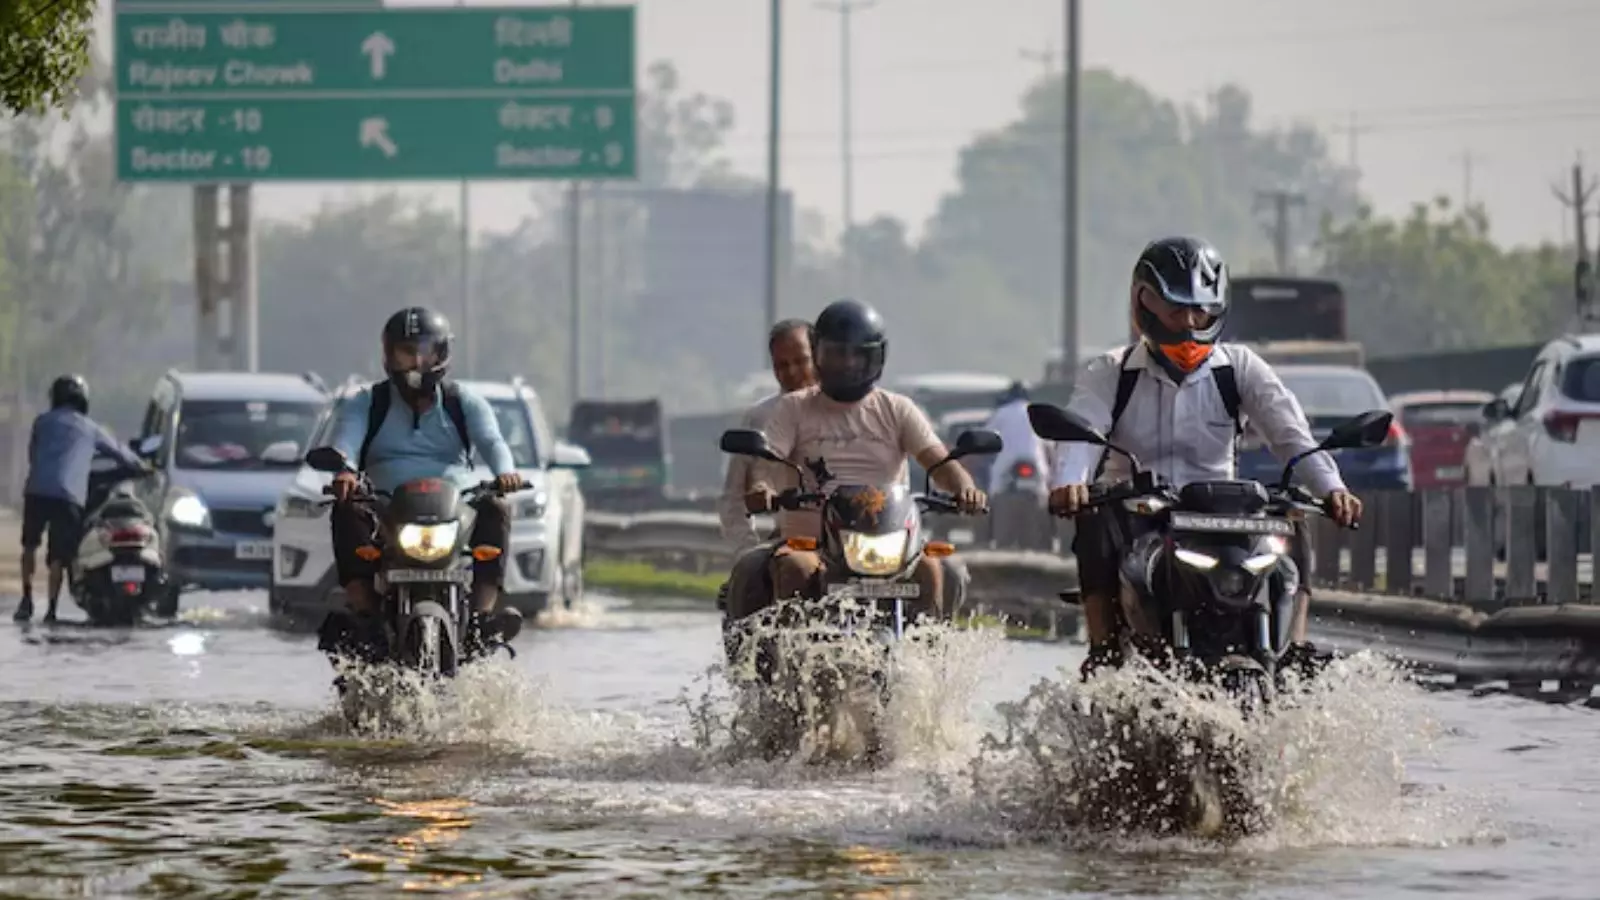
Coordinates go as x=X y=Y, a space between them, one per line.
x=123 y=508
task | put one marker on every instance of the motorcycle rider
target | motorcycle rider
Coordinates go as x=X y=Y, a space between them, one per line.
x=789 y=348
x=424 y=432
x=61 y=451
x=1010 y=421
x=1175 y=398
x=847 y=430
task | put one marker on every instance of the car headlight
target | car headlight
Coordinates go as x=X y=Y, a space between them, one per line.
x=294 y=507
x=428 y=543
x=875 y=554
x=531 y=506
x=188 y=510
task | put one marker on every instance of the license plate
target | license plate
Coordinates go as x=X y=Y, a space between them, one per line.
x=125 y=574
x=252 y=550
x=1450 y=473
x=426 y=576
x=961 y=535
x=1231 y=524
x=877 y=589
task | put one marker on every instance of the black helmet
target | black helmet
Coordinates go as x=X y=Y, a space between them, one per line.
x=70 y=390
x=424 y=336
x=1016 y=391
x=1179 y=272
x=849 y=347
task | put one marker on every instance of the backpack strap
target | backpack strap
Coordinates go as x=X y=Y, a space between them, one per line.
x=1127 y=380
x=1228 y=386
x=378 y=411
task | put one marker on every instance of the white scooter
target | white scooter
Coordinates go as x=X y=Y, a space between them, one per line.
x=119 y=568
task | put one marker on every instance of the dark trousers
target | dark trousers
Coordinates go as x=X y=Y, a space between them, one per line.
x=355 y=525
x=61 y=519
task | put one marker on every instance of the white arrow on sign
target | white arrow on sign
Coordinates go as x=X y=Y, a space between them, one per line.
x=375 y=133
x=377 y=47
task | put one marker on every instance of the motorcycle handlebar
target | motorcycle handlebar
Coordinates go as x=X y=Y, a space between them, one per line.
x=1293 y=497
x=364 y=491
x=944 y=503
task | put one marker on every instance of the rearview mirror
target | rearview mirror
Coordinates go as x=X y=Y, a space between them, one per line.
x=283 y=453
x=1366 y=430
x=147 y=446
x=1056 y=424
x=977 y=442
x=569 y=456
x=747 y=442
x=1496 y=409
x=327 y=459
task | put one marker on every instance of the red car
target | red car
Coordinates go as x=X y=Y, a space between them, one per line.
x=1440 y=424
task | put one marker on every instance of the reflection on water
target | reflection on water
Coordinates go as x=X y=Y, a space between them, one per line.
x=209 y=760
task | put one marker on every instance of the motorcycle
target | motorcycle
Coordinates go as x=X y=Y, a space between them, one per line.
x=1210 y=576
x=1018 y=520
x=119 y=568
x=872 y=542
x=424 y=576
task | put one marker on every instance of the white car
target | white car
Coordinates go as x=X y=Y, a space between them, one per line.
x=1479 y=457
x=1551 y=435
x=545 y=556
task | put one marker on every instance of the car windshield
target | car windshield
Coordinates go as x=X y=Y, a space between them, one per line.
x=231 y=434
x=1581 y=380
x=510 y=413
x=1334 y=393
x=1451 y=413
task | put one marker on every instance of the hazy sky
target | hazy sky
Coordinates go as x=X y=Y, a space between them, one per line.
x=1427 y=84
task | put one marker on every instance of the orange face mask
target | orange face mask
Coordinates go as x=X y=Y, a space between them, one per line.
x=1188 y=355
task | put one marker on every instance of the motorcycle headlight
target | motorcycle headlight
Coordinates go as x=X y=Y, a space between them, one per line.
x=294 y=507
x=1205 y=562
x=188 y=510
x=1261 y=562
x=875 y=554
x=532 y=506
x=428 y=543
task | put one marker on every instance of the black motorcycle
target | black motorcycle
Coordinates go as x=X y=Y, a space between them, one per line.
x=872 y=541
x=1208 y=572
x=425 y=576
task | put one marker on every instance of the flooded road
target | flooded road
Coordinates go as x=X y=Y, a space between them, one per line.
x=207 y=760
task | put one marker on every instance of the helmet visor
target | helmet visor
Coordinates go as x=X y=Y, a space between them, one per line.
x=1180 y=313
x=418 y=354
x=848 y=363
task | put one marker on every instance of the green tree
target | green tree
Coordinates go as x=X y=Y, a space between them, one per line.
x=1435 y=280
x=44 y=49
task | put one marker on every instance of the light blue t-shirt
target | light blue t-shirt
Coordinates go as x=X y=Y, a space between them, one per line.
x=409 y=446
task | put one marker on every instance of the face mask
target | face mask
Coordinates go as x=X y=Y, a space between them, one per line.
x=413 y=379
x=1188 y=355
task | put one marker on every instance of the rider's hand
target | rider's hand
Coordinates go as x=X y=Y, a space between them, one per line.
x=1100 y=656
x=344 y=485
x=1068 y=499
x=759 y=499
x=971 y=500
x=509 y=482
x=1344 y=508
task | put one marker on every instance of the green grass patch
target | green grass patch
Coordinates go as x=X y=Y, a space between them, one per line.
x=1013 y=631
x=643 y=578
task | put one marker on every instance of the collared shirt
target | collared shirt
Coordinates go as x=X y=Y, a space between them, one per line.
x=410 y=445
x=61 y=450
x=1021 y=444
x=743 y=474
x=1182 y=432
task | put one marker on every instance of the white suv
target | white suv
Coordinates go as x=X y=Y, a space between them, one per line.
x=545 y=556
x=1551 y=435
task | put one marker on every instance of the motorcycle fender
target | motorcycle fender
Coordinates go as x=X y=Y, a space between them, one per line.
x=1138 y=575
x=434 y=609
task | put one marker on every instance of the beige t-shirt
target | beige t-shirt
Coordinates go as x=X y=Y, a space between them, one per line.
x=845 y=443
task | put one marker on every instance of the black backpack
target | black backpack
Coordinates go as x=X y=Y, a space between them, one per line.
x=1128 y=379
x=382 y=397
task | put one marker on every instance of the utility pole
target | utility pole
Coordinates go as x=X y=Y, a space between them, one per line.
x=468 y=348
x=1353 y=133
x=225 y=281
x=1467 y=158
x=1281 y=201
x=1072 y=59
x=1576 y=198
x=575 y=287
x=774 y=195
x=846 y=9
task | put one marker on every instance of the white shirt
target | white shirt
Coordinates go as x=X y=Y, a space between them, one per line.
x=1021 y=444
x=737 y=529
x=1182 y=432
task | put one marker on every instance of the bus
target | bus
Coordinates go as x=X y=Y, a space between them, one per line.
x=1291 y=320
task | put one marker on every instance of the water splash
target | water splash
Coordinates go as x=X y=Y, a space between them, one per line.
x=1327 y=763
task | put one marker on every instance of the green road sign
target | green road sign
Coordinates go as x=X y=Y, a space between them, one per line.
x=262 y=92
x=377 y=138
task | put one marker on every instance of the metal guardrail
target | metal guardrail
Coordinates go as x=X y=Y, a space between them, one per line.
x=1486 y=547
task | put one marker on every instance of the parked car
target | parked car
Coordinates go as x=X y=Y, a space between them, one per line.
x=224 y=445
x=1440 y=423
x=545 y=556
x=1551 y=435
x=1329 y=395
x=1479 y=456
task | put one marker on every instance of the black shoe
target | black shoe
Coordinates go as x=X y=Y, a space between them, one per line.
x=24 y=610
x=50 y=616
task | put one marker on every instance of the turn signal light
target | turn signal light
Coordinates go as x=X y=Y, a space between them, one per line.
x=485 y=553
x=801 y=543
x=368 y=553
x=938 y=548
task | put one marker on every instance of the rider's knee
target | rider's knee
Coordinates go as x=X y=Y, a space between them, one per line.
x=793 y=571
x=493 y=522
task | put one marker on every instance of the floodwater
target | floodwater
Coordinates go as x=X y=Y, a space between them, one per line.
x=208 y=760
